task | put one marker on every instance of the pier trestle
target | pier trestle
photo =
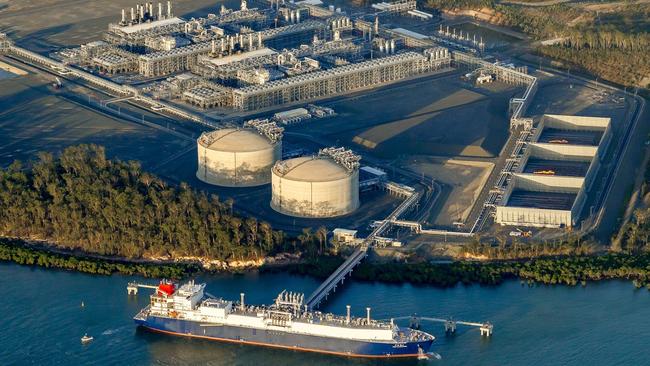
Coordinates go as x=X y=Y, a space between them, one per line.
x=486 y=329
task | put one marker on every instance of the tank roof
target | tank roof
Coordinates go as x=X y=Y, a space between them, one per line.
x=235 y=140
x=311 y=169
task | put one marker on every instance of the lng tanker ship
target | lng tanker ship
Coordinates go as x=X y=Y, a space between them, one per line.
x=287 y=323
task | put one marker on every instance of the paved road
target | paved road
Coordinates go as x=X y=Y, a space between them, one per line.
x=428 y=201
x=620 y=182
x=499 y=164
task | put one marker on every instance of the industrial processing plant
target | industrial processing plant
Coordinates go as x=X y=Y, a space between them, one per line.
x=446 y=127
x=222 y=68
x=288 y=145
x=324 y=185
x=239 y=157
x=550 y=186
x=247 y=59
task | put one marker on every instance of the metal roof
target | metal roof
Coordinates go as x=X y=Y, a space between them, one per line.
x=320 y=75
x=220 y=61
x=234 y=140
x=149 y=25
x=310 y=169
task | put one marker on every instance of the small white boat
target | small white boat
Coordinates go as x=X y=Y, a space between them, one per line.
x=86 y=339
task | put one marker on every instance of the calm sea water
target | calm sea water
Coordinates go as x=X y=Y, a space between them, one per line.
x=41 y=321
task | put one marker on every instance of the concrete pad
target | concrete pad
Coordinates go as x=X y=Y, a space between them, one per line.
x=466 y=178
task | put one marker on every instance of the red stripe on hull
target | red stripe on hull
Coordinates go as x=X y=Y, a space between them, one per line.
x=270 y=345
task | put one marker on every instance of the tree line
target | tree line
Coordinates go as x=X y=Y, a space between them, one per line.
x=636 y=233
x=570 y=271
x=606 y=39
x=504 y=249
x=613 y=46
x=82 y=200
x=558 y=270
x=459 y=4
x=14 y=251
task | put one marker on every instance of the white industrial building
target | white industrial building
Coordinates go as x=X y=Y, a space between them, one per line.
x=115 y=62
x=258 y=58
x=239 y=157
x=343 y=79
x=292 y=116
x=344 y=236
x=549 y=187
x=326 y=185
x=371 y=178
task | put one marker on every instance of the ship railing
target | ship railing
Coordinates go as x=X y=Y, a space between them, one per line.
x=249 y=309
x=329 y=318
x=416 y=335
x=311 y=316
x=411 y=335
x=142 y=315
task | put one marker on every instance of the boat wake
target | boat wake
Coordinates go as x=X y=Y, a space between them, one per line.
x=430 y=356
x=113 y=331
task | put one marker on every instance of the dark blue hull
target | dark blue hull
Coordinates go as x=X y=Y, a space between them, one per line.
x=336 y=346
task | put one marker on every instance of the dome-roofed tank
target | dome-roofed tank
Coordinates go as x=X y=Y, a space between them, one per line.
x=325 y=185
x=239 y=157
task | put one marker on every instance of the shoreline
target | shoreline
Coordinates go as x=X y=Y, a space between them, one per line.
x=209 y=265
x=42 y=254
x=21 y=252
x=569 y=270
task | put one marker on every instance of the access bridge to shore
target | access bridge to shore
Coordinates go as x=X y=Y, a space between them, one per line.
x=338 y=277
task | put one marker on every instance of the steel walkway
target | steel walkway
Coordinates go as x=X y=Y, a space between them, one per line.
x=336 y=278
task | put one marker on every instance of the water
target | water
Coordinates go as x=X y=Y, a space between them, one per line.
x=4 y=74
x=605 y=323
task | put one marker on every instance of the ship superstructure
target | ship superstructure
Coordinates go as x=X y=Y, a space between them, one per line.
x=287 y=323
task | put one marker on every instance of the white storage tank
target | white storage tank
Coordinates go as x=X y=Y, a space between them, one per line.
x=237 y=157
x=314 y=186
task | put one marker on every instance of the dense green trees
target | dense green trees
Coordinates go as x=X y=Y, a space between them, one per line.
x=636 y=234
x=624 y=67
x=459 y=4
x=15 y=251
x=81 y=200
x=564 y=270
x=606 y=39
x=613 y=45
x=611 y=53
x=314 y=243
x=504 y=250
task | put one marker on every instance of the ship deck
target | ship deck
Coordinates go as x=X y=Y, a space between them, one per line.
x=316 y=317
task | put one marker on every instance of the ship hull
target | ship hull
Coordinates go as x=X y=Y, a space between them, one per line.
x=297 y=342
